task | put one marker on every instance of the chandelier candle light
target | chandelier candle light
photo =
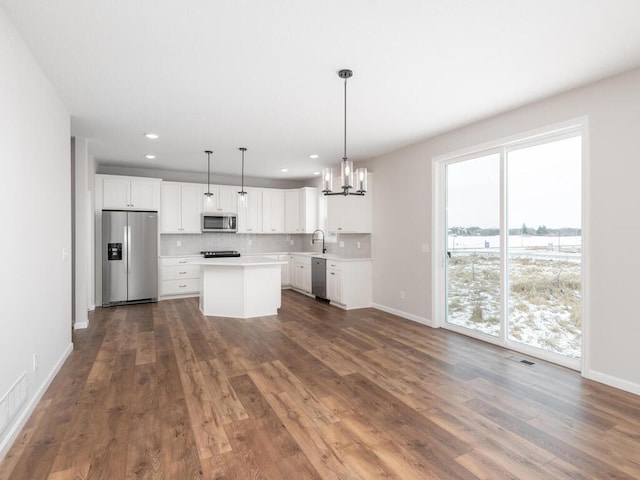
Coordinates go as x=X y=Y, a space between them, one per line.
x=208 y=193
x=346 y=172
x=242 y=194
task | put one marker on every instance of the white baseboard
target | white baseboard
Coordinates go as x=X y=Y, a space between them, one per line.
x=92 y=307
x=612 y=381
x=176 y=297
x=400 y=313
x=25 y=414
x=81 y=325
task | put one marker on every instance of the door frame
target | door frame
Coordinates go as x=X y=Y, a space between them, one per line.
x=439 y=278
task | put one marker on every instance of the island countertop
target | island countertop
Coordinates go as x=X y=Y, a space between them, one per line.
x=237 y=261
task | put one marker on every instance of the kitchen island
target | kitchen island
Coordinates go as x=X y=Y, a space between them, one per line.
x=240 y=287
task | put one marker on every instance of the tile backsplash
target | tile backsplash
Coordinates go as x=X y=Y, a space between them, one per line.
x=254 y=243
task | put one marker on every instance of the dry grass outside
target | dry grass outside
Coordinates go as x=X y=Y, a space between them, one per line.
x=544 y=299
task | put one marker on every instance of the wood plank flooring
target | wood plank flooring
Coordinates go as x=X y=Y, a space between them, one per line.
x=160 y=391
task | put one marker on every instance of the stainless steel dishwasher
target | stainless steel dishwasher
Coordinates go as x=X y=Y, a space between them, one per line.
x=319 y=277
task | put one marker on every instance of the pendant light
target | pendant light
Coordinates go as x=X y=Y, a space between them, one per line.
x=349 y=180
x=242 y=194
x=208 y=193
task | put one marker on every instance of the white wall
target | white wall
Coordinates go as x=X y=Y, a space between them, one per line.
x=35 y=211
x=83 y=228
x=403 y=187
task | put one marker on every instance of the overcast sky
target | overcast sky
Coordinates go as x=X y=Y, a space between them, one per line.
x=544 y=188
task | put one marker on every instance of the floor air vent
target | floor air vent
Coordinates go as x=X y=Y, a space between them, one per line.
x=514 y=358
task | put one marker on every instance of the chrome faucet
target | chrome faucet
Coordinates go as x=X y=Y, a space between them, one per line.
x=313 y=239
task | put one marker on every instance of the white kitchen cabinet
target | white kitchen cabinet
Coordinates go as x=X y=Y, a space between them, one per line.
x=350 y=214
x=349 y=283
x=334 y=285
x=301 y=278
x=129 y=193
x=286 y=270
x=250 y=212
x=181 y=207
x=301 y=210
x=179 y=277
x=223 y=199
x=272 y=210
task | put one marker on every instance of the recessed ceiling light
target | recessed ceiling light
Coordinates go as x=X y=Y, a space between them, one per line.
x=150 y=157
x=284 y=170
x=151 y=136
x=316 y=173
x=314 y=155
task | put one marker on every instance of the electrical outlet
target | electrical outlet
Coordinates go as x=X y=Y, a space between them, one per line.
x=249 y=242
x=290 y=242
x=402 y=295
x=179 y=243
x=357 y=244
x=35 y=362
x=341 y=244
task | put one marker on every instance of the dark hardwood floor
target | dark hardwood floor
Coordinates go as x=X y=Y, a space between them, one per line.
x=159 y=391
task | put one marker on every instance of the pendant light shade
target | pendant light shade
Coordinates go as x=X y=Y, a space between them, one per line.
x=349 y=178
x=242 y=194
x=208 y=193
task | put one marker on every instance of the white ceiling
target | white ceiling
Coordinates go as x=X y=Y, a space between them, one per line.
x=220 y=74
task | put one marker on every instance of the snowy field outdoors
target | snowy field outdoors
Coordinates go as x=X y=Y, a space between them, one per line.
x=544 y=289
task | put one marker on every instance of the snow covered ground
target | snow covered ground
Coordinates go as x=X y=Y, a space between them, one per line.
x=543 y=296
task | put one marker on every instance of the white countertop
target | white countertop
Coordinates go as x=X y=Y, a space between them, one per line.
x=328 y=256
x=246 y=261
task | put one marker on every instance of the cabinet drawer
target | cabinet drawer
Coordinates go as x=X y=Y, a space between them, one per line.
x=178 y=260
x=332 y=264
x=178 y=287
x=180 y=272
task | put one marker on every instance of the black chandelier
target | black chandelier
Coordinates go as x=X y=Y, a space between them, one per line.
x=349 y=180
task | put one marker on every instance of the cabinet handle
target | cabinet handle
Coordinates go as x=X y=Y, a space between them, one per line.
x=333 y=264
x=182 y=261
x=182 y=273
x=339 y=228
x=332 y=273
x=273 y=229
x=182 y=286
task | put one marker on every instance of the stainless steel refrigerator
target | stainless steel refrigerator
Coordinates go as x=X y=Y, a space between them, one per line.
x=129 y=257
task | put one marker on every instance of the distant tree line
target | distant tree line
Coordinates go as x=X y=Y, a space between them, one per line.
x=541 y=231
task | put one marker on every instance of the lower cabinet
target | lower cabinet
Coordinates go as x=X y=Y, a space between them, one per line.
x=301 y=274
x=179 y=277
x=334 y=285
x=349 y=283
x=285 y=273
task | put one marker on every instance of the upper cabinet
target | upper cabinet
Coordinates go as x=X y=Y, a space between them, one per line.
x=301 y=210
x=181 y=207
x=250 y=212
x=272 y=210
x=223 y=199
x=350 y=214
x=129 y=193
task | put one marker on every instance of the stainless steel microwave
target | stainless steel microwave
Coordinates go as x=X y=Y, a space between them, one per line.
x=219 y=222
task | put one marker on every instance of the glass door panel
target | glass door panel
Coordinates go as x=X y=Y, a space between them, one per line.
x=473 y=244
x=544 y=246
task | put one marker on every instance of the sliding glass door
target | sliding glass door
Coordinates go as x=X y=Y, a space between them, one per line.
x=513 y=248
x=473 y=244
x=544 y=248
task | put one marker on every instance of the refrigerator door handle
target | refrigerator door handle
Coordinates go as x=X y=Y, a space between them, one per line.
x=127 y=239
